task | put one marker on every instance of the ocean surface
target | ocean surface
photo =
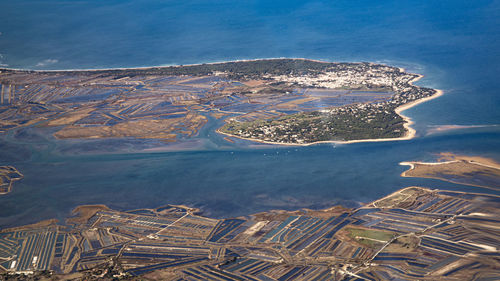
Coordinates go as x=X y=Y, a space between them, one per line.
x=455 y=44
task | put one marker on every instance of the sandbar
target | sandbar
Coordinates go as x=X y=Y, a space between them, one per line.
x=467 y=170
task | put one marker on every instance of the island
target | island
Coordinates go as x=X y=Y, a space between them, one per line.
x=282 y=101
x=412 y=234
x=461 y=169
x=8 y=175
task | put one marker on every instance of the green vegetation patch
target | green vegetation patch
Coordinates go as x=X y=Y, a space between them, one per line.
x=369 y=237
x=236 y=69
x=317 y=126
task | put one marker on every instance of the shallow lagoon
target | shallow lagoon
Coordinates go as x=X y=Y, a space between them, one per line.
x=221 y=178
x=453 y=43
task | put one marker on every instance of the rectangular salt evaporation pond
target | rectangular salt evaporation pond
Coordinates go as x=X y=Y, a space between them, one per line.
x=178 y=88
x=333 y=93
x=205 y=80
x=65 y=78
x=324 y=92
x=93 y=119
x=87 y=96
x=243 y=107
x=32 y=92
x=331 y=98
x=172 y=116
x=163 y=79
x=326 y=102
x=370 y=96
x=145 y=109
x=225 y=101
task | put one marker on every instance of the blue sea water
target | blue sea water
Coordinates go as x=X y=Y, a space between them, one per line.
x=455 y=44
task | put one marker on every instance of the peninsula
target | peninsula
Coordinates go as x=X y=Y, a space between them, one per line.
x=282 y=101
x=461 y=169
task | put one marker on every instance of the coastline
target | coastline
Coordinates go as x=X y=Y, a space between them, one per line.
x=410 y=132
x=167 y=65
x=191 y=64
x=413 y=164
